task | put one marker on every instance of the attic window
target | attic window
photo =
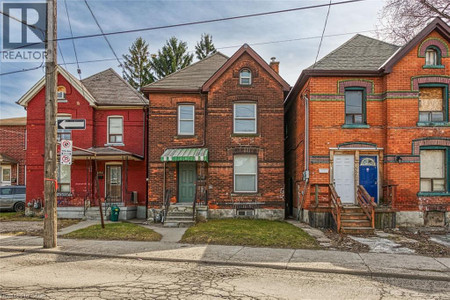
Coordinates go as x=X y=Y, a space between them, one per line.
x=432 y=56
x=245 y=77
x=61 y=93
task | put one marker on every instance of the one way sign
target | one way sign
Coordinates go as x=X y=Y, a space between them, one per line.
x=70 y=124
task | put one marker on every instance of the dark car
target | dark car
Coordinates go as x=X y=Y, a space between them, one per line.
x=12 y=197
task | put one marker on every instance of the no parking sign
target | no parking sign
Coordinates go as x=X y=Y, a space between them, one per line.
x=66 y=152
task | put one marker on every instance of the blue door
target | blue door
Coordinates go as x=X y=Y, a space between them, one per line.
x=368 y=175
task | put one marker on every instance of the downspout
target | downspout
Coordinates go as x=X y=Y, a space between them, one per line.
x=306 y=172
x=146 y=149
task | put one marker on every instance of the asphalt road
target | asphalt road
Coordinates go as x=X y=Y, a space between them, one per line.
x=49 y=276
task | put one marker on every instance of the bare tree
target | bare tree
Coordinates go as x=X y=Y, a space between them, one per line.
x=401 y=20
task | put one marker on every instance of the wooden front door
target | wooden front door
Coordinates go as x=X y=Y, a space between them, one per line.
x=113 y=189
x=344 y=177
x=186 y=182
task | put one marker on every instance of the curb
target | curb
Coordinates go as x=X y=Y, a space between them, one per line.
x=236 y=264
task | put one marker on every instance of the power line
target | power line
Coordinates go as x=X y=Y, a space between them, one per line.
x=103 y=33
x=196 y=22
x=323 y=32
x=73 y=41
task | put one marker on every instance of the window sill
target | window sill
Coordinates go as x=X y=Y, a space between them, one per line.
x=433 y=124
x=64 y=194
x=186 y=136
x=243 y=194
x=245 y=135
x=433 y=67
x=353 y=126
x=62 y=101
x=433 y=194
x=114 y=144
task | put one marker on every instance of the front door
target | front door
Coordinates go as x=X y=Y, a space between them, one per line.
x=113 y=189
x=5 y=175
x=368 y=175
x=186 y=182
x=344 y=180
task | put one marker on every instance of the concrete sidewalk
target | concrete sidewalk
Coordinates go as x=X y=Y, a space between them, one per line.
x=366 y=264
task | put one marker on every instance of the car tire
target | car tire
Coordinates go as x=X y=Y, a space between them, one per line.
x=19 y=206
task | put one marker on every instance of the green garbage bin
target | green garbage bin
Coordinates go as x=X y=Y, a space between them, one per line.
x=115 y=210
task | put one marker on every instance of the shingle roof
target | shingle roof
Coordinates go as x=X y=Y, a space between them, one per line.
x=21 y=121
x=358 y=53
x=192 y=77
x=108 y=88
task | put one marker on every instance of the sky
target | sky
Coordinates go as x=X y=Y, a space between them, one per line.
x=292 y=37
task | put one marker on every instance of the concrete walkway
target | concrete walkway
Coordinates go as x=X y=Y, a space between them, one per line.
x=366 y=264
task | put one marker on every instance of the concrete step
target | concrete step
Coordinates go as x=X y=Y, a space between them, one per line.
x=181 y=218
x=355 y=223
x=358 y=230
x=178 y=223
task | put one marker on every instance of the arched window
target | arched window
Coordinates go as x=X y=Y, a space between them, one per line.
x=432 y=56
x=245 y=77
x=61 y=92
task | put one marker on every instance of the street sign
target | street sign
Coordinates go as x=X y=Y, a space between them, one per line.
x=66 y=152
x=71 y=124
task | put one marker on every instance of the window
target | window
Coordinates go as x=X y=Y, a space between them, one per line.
x=6 y=191
x=64 y=134
x=115 y=130
x=432 y=104
x=245 y=173
x=244 y=118
x=355 y=106
x=6 y=174
x=245 y=77
x=63 y=178
x=433 y=173
x=61 y=93
x=186 y=117
x=432 y=56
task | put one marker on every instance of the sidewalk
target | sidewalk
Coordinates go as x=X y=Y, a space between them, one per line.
x=366 y=264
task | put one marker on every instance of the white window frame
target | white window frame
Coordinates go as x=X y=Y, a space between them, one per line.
x=108 y=135
x=242 y=77
x=192 y=120
x=250 y=174
x=428 y=58
x=61 y=96
x=245 y=118
x=6 y=167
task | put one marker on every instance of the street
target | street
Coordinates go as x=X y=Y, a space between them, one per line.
x=51 y=276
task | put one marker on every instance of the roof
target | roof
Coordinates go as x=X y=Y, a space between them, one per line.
x=21 y=121
x=31 y=93
x=7 y=159
x=192 y=77
x=358 y=53
x=106 y=152
x=109 y=88
x=246 y=49
x=185 y=154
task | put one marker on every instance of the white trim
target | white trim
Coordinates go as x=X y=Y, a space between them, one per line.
x=249 y=77
x=115 y=163
x=6 y=167
x=246 y=118
x=255 y=174
x=179 y=119
x=342 y=149
x=69 y=77
x=387 y=60
x=107 y=132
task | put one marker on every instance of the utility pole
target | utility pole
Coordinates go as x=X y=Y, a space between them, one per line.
x=50 y=154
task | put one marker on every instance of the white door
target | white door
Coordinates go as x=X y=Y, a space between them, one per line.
x=344 y=179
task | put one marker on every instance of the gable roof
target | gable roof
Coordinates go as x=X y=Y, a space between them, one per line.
x=109 y=88
x=190 y=78
x=21 y=121
x=41 y=83
x=358 y=53
x=246 y=49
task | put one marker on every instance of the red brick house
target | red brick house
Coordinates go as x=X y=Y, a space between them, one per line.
x=369 y=124
x=108 y=156
x=216 y=137
x=12 y=151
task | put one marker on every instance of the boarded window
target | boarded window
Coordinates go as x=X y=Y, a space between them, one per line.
x=432 y=171
x=431 y=104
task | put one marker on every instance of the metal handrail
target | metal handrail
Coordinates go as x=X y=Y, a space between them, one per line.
x=367 y=204
x=166 y=205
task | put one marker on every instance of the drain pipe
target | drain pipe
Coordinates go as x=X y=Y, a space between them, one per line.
x=306 y=172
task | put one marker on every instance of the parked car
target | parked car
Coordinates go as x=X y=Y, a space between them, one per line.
x=12 y=197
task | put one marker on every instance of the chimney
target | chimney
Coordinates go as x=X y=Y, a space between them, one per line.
x=275 y=65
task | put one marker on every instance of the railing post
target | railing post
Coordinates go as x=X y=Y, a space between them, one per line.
x=316 y=196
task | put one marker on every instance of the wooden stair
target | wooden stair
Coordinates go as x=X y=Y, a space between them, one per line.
x=355 y=221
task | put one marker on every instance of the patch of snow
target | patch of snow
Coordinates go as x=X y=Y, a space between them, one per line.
x=382 y=245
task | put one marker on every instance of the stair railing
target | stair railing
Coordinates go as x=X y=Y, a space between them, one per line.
x=389 y=194
x=166 y=204
x=336 y=206
x=367 y=204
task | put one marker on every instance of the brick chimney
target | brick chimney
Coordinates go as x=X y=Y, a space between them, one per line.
x=275 y=65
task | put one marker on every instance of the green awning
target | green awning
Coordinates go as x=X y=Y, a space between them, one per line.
x=188 y=154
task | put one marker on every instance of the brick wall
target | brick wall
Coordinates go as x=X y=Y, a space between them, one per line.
x=12 y=144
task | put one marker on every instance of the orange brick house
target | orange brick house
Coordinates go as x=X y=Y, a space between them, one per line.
x=216 y=137
x=12 y=151
x=369 y=134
